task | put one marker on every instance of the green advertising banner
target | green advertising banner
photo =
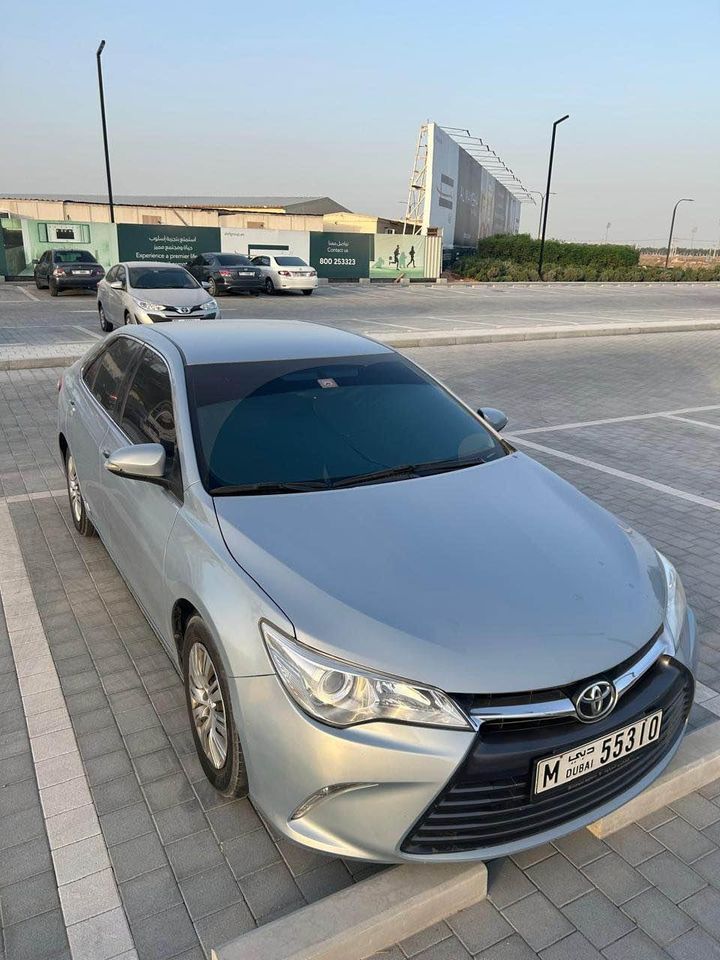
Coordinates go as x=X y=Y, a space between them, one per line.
x=165 y=243
x=343 y=256
x=398 y=255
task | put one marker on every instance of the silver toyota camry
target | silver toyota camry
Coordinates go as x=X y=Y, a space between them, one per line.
x=402 y=637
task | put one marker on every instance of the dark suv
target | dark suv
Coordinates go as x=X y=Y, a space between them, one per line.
x=67 y=270
x=226 y=273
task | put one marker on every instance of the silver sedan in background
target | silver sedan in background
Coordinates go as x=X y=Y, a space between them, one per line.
x=405 y=639
x=143 y=292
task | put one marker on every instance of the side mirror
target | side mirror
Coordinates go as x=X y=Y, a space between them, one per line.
x=141 y=461
x=205 y=285
x=116 y=284
x=496 y=418
x=36 y=261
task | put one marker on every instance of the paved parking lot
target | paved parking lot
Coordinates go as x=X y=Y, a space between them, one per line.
x=118 y=847
x=30 y=316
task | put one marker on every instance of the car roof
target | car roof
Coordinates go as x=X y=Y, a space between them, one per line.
x=149 y=263
x=233 y=341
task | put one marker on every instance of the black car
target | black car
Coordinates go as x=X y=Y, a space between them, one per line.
x=67 y=270
x=226 y=273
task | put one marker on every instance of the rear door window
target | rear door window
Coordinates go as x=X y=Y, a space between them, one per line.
x=107 y=374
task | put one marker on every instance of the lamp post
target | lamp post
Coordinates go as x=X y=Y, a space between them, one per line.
x=547 y=193
x=104 y=128
x=672 y=225
x=607 y=230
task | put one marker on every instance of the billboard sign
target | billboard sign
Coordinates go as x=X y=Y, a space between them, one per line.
x=341 y=256
x=398 y=255
x=165 y=243
x=462 y=197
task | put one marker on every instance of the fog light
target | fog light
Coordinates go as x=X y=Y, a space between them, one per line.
x=323 y=793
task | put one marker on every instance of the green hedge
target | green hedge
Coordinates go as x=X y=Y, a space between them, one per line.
x=521 y=248
x=477 y=268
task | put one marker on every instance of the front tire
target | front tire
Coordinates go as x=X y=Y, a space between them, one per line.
x=127 y=318
x=307 y=292
x=105 y=324
x=78 y=512
x=38 y=284
x=209 y=707
x=269 y=287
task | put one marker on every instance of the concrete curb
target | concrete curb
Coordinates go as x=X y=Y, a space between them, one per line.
x=34 y=363
x=458 y=337
x=364 y=918
x=696 y=763
x=438 y=338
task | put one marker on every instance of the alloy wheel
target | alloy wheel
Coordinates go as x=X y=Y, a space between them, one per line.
x=207 y=705
x=76 y=503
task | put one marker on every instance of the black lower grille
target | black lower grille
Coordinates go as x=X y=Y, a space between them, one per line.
x=489 y=801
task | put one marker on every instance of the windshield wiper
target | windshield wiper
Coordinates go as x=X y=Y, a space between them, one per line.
x=407 y=471
x=250 y=489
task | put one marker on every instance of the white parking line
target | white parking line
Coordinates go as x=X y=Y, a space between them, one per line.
x=699 y=423
x=90 y=333
x=621 y=474
x=577 y=424
x=28 y=294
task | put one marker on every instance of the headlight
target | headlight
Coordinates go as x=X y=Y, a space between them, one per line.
x=675 y=601
x=146 y=305
x=341 y=694
x=209 y=305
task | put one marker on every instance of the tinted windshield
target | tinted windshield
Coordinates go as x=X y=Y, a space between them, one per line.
x=73 y=256
x=161 y=278
x=290 y=262
x=294 y=421
x=232 y=260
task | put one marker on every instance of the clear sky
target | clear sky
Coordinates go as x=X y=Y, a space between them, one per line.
x=326 y=98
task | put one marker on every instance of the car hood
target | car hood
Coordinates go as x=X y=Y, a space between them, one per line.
x=172 y=297
x=492 y=579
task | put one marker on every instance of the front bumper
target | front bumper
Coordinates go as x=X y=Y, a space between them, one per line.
x=141 y=316
x=397 y=775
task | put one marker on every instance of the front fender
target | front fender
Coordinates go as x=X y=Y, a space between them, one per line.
x=200 y=569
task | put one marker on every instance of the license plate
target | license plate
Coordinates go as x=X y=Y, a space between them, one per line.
x=245 y=273
x=81 y=273
x=565 y=767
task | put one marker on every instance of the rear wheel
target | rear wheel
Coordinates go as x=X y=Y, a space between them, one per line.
x=269 y=286
x=307 y=292
x=78 y=512
x=127 y=318
x=53 y=288
x=213 y=287
x=211 y=718
x=104 y=322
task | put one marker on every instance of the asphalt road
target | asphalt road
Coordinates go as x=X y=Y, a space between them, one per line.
x=30 y=316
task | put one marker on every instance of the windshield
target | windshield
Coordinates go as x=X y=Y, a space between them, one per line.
x=330 y=421
x=290 y=262
x=232 y=260
x=161 y=278
x=73 y=256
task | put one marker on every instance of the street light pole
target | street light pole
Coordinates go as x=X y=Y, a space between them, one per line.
x=547 y=192
x=672 y=225
x=104 y=128
x=542 y=204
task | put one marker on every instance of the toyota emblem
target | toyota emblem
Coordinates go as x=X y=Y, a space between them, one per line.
x=595 y=701
x=183 y=309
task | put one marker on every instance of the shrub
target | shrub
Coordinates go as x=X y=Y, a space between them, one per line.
x=507 y=270
x=522 y=249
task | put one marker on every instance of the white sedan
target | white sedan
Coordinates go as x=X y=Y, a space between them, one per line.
x=284 y=272
x=142 y=292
